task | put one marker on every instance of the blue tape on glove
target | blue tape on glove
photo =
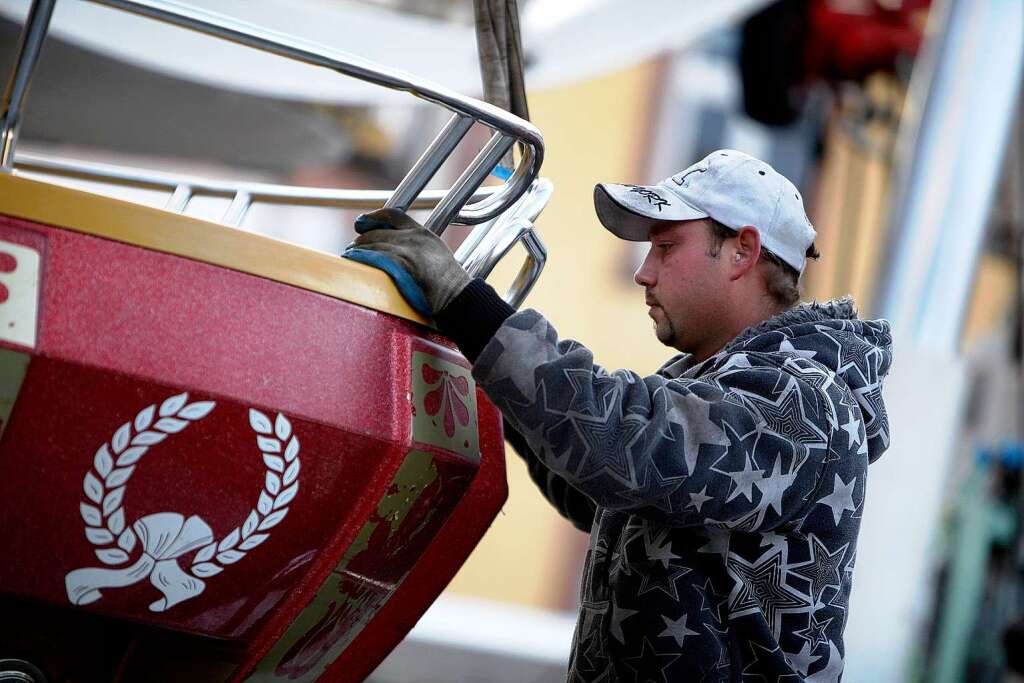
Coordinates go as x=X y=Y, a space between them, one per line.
x=405 y=283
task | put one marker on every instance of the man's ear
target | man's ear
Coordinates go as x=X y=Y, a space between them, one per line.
x=745 y=251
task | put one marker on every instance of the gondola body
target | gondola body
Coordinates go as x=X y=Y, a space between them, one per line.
x=225 y=457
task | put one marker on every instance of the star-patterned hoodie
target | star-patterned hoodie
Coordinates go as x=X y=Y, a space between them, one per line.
x=722 y=498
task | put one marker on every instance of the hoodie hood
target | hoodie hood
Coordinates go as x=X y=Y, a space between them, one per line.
x=830 y=333
x=858 y=351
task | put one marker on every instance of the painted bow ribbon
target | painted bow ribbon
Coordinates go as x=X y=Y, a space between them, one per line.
x=165 y=537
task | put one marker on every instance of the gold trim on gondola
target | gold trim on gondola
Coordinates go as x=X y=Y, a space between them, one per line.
x=172 y=233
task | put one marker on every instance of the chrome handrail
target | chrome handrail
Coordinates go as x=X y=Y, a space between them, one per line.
x=496 y=245
x=184 y=188
x=489 y=243
x=479 y=253
x=457 y=206
x=529 y=207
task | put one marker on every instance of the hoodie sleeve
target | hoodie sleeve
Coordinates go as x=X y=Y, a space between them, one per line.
x=570 y=503
x=471 y=320
x=742 y=447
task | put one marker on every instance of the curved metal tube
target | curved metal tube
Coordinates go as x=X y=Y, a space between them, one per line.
x=493 y=206
x=509 y=129
x=511 y=126
x=530 y=271
x=424 y=169
x=193 y=186
x=529 y=207
x=449 y=209
x=481 y=251
x=495 y=246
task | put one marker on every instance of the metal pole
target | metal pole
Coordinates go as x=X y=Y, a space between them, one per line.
x=36 y=24
x=482 y=165
x=428 y=164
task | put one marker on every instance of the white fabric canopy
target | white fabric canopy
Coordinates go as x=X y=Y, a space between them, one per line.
x=565 y=41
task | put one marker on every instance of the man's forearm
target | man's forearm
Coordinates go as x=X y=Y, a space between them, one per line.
x=470 y=320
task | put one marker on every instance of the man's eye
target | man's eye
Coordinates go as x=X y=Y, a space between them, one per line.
x=663 y=245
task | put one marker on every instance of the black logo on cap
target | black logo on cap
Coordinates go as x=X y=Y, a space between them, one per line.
x=652 y=197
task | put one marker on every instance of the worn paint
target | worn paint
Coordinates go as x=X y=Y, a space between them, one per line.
x=349 y=599
x=13 y=367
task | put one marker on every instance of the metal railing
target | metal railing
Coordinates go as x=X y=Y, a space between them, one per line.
x=479 y=253
x=466 y=202
x=491 y=242
x=183 y=189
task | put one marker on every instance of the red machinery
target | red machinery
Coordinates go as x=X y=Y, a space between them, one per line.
x=228 y=457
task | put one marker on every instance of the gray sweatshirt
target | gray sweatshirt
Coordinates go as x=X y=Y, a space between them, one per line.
x=722 y=498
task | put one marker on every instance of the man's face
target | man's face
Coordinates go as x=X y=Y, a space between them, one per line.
x=683 y=285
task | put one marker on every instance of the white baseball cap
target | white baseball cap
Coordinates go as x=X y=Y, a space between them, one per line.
x=731 y=187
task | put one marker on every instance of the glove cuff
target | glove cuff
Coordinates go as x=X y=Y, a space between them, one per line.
x=472 y=317
x=448 y=287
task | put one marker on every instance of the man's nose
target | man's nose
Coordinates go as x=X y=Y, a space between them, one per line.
x=644 y=275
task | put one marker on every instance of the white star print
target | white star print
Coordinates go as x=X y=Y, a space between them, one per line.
x=667 y=584
x=761 y=586
x=841 y=497
x=774 y=486
x=786 y=416
x=619 y=615
x=676 y=629
x=698 y=499
x=523 y=351
x=608 y=441
x=787 y=347
x=659 y=548
x=822 y=569
x=771 y=539
x=852 y=428
x=738 y=360
x=802 y=660
x=832 y=671
x=870 y=400
x=691 y=412
x=744 y=480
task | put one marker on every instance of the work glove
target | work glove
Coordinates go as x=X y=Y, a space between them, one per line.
x=422 y=266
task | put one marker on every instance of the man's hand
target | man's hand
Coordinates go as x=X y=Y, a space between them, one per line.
x=421 y=265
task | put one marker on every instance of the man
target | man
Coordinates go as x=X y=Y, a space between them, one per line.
x=723 y=494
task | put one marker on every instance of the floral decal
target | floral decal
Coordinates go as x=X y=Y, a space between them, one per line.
x=444 y=406
x=451 y=396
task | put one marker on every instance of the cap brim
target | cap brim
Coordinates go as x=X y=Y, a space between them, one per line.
x=629 y=211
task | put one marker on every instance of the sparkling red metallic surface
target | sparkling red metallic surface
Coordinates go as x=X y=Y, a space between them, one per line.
x=121 y=328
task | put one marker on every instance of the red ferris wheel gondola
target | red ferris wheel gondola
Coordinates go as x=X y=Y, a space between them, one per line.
x=227 y=457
